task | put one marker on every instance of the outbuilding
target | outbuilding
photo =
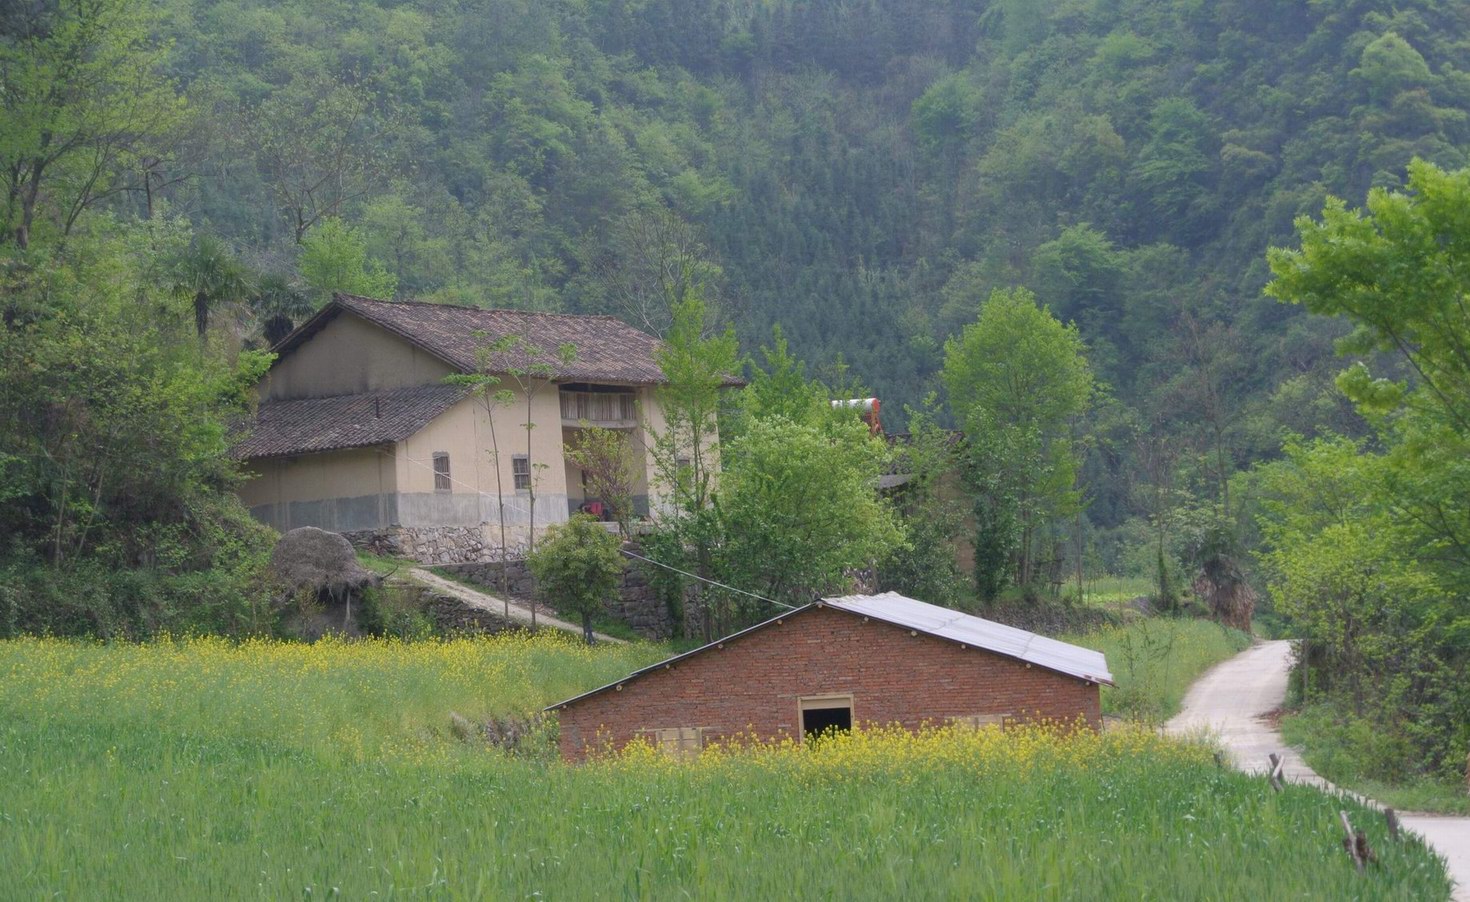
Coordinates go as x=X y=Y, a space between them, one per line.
x=871 y=660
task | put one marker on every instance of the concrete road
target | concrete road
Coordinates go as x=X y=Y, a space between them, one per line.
x=1230 y=700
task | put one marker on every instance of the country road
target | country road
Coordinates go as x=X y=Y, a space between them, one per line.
x=1230 y=701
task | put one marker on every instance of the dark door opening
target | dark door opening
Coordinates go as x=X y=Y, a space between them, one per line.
x=816 y=721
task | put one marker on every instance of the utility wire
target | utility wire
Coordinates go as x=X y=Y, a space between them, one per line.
x=710 y=581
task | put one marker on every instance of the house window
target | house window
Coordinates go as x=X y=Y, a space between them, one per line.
x=442 y=482
x=520 y=468
x=982 y=720
x=825 y=714
x=678 y=742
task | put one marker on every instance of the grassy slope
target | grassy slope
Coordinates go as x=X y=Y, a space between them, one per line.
x=1155 y=660
x=202 y=770
x=1337 y=748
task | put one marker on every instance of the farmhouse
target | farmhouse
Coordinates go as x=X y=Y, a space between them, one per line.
x=839 y=662
x=358 y=433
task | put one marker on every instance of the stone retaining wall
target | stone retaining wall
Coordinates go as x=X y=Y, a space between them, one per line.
x=434 y=544
x=636 y=605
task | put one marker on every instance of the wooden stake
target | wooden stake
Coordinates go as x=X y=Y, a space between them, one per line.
x=1393 y=823
x=1278 y=765
x=1349 y=841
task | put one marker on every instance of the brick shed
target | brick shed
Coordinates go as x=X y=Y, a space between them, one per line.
x=855 y=660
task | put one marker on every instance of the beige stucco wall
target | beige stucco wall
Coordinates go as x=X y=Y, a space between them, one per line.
x=654 y=424
x=464 y=432
x=349 y=356
x=340 y=490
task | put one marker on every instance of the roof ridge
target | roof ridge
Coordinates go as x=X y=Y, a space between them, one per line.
x=410 y=302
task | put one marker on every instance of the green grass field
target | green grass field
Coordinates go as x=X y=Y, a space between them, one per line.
x=204 y=770
x=1154 y=660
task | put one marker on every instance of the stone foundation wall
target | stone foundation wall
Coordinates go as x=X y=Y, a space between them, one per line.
x=435 y=544
x=636 y=604
x=518 y=577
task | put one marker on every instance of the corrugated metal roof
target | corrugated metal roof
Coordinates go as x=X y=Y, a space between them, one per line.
x=1063 y=657
x=890 y=607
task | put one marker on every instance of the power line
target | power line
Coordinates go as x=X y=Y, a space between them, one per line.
x=710 y=581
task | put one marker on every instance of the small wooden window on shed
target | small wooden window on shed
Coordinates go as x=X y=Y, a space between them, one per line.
x=520 y=468
x=442 y=482
x=678 y=742
x=825 y=714
x=977 y=721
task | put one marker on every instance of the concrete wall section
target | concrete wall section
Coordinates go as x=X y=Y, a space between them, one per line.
x=365 y=512
x=350 y=356
x=464 y=433
x=753 y=685
x=340 y=490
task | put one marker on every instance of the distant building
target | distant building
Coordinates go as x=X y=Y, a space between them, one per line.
x=357 y=432
x=835 y=664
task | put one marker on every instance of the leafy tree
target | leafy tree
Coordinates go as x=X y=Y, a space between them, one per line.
x=1368 y=551
x=530 y=368
x=210 y=276
x=606 y=457
x=1397 y=272
x=316 y=144
x=577 y=568
x=684 y=448
x=799 y=510
x=334 y=258
x=279 y=306
x=1017 y=379
x=1389 y=65
x=85 y=103
x=486 y=385
x=931 y=508
x=118 y=507
x=781 y=387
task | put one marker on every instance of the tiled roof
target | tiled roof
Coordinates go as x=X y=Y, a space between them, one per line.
x=345 y=421
x=607 y=350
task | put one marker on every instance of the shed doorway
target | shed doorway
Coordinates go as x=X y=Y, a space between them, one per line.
x=825 y=713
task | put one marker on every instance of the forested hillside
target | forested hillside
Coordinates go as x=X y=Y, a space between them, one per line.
x=863 y=173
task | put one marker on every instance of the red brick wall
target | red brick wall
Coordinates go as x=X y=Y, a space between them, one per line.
x=752 y=685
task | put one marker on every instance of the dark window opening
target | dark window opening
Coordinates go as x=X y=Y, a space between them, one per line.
x=442 y=482
x=816 y=721
x=520 y=468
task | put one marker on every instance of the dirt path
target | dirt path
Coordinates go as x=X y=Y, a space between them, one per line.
x=495 y=605
x=1230 y=701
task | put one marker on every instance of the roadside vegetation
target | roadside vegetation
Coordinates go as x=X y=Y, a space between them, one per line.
x=282 y=770
x=1154 y=660
x=1354 y=753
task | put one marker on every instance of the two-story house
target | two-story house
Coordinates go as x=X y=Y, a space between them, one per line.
x=357 y=431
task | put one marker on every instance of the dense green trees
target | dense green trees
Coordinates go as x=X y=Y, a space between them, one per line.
x=577 y=568
x=1018 y=382
x=1366 y=545
x=116 y=489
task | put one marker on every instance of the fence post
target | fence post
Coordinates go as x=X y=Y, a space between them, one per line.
x=1356 y=843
